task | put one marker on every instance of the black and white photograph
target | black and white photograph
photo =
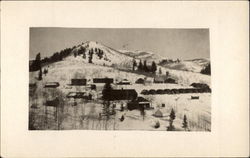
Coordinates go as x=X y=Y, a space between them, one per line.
x=119 y=79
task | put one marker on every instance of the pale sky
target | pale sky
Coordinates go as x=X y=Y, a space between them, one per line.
x=169 y=43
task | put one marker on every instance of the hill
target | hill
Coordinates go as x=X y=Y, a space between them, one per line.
x=194 y=65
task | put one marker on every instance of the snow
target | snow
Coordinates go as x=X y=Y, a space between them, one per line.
x=84 y=114
x=195 y=65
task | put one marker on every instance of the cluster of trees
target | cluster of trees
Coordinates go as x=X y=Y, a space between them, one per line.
x=144 y=67
x=57 y=56
x=206 y=70
x=169 y=61
x=172 y=117
x=82 y=51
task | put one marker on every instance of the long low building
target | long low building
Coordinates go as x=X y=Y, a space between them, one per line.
x=121 y=94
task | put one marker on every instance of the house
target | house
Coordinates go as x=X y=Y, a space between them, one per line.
x=159 y=79
x=103 y=80
x=124 y=82
x=121 y=94
x=140 y=81
x=169 y=80
x=51 y=85
x=78 y=82
x=139 y=103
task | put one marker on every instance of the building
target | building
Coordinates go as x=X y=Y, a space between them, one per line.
x=124 y=82
x=51 y=85
x=78 y=82
x=140 y=81
x=79 y=95
x=139 y=103
x=159 y=79
x=121 y=94
x=103 y=80
x=170 y=80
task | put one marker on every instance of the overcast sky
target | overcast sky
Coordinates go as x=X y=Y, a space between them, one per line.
x=169 y=43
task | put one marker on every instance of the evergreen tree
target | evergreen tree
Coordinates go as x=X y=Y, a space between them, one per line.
x=172 y=117
x=140 y=67
x=206 y=70
x=185 y=123
x=145 y=67
x=134 y=64
x=40 y=75
x=167 y=74
x=153 y=68
x=90 y=55
x=160 y=72
x=106 y=91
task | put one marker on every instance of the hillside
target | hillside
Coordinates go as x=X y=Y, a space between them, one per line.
x=195 y=65
x=103 y=55
x=143 y=55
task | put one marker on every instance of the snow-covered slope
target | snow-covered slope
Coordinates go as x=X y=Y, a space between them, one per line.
x=108 y=57
x=143 y=55
x=195 y=65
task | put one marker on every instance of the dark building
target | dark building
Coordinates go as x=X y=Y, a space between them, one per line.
x=169 y=80
x=139 y=103
x=194 y=97
x=103 y=80
x=53 y=103
x=140 y=81
x=78 y=82
x=122 y=94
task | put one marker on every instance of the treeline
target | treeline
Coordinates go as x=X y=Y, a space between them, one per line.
x=143 y=67
x=57 y=56
x=168 y=61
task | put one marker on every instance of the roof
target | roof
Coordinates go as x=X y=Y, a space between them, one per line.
x=141 y=99
x=122 y=94
x=158 y=113
x=52 y=84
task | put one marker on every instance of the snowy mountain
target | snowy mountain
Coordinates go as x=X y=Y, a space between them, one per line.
x=103 y=55
x=143 y=55
x=194 y=65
